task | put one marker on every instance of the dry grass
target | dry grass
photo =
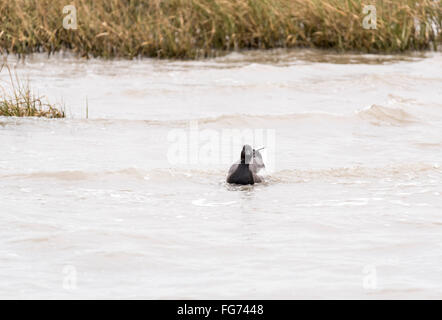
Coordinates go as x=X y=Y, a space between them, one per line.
x=23 y=103
x=199 y=28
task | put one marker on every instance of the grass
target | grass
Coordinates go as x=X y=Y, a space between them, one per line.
x=201 y=28
x=24 y=103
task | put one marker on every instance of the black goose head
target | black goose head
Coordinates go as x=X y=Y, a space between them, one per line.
x=246 y=154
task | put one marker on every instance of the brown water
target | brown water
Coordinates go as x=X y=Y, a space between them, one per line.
x=132 y=203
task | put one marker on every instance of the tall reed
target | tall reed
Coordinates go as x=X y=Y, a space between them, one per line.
x=22 y=102
x=199 y=28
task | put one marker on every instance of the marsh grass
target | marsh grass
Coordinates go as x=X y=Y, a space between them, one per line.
x=22 y=102
x=201 y=28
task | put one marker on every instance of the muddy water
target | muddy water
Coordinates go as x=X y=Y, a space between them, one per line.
x=118 y=206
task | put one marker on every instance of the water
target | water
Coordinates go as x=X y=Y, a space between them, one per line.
x=97 y=208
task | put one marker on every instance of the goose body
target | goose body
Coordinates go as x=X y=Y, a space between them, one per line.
x=246 y=171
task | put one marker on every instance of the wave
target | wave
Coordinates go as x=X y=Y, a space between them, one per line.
x=215 y=176
x=128 y=173
x=375 y=114
x=239 y=120
x=383 y=115
x=358 y=172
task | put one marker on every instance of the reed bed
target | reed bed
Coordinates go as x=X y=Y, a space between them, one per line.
x=201 y=28
x=22 y=102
